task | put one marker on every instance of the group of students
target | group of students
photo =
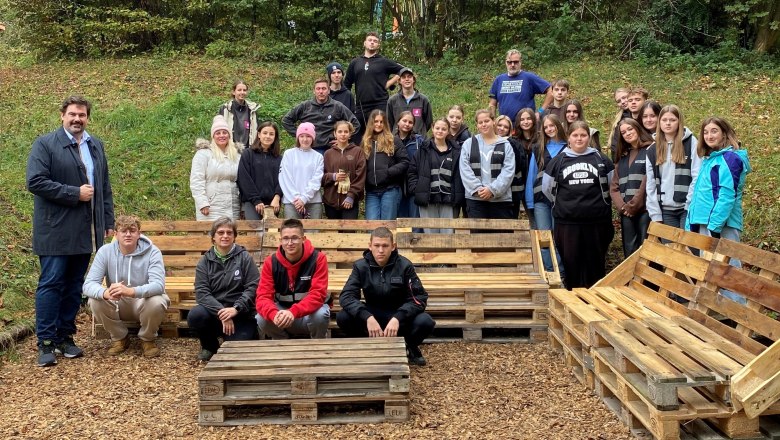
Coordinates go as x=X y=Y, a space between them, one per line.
x=549 y=164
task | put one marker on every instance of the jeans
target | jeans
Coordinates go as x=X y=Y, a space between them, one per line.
x=382 y=204
x=208 y=327
x=314 y=326
x=407 y=208
x=543 y=221
x=674 y=217
x=633 y=230
x=58 y=296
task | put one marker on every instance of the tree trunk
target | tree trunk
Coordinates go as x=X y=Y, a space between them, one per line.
x=766 y=37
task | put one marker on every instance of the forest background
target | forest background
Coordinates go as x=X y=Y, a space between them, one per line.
x=156 y=71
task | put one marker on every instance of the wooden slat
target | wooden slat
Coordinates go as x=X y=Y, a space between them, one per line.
x=461 y=223
x=677 y=235
x=412 y=241
x=757 y=386
x=750 y=255
x=685 y=263
x=762 y=290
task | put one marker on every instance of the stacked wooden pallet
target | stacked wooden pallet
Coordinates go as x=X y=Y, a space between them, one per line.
x=662 y=364
x=306 y=382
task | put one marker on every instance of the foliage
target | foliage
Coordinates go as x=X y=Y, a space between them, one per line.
x=417 y=30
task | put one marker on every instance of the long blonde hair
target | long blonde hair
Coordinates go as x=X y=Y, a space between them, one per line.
x=231 y=150
x=678 y=152
x=616 y=121
x=384 y=140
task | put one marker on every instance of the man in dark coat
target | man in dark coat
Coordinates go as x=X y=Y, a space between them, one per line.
x=67 y=173
x=395 y=298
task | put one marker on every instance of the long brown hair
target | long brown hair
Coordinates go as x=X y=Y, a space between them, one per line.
x=384 y=140
x=643 y=138
x=274 y=149
x=542 y=146
x=729 y=137
x=678 y=152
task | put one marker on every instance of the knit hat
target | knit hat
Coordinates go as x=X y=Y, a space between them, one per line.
x=219 y=124
x=333 y=66
x=305 y=128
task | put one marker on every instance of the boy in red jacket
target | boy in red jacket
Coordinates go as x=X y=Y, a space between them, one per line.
x=293 y=291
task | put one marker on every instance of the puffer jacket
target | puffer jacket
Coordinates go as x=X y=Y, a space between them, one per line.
x=717 y=196
x=385 y=171
x=213 y=183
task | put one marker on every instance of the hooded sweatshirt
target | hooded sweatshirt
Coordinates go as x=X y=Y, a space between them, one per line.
x=266 y=291
x=500 y=186
x=578 y=185
x=142 y=269
x=717 y=197
x=667 y=188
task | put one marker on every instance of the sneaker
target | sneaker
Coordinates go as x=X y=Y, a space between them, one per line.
x=150 y=349
x=69 y=349
x=205 y=355
x=46 y=357
x=415 y=356
x=119 y=346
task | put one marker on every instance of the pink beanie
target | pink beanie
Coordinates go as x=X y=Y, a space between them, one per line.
x=305 y=128
x=219 y=124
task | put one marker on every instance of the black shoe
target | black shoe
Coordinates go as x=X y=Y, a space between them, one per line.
x=415 y=356
x=46 y=357
x=205 y=355
x=69 y=349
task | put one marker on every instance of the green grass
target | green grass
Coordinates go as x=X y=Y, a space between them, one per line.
x=150 y=109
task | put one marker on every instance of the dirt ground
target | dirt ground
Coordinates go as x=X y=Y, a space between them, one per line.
x=468 y=391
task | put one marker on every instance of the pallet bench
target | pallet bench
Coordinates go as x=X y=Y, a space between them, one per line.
x=297 y=381
x=663 y=364
x=485 y=281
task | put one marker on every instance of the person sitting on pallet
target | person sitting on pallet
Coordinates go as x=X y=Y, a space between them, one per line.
x=134 y=290
x=292 y=298
x=225 y=281
x=395 y=298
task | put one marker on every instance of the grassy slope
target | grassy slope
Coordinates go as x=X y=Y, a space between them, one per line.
x=149 y=110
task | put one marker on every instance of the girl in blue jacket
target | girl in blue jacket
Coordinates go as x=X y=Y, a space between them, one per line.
x=716 y=206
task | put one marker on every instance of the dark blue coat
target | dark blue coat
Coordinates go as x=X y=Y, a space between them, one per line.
x=63 y=225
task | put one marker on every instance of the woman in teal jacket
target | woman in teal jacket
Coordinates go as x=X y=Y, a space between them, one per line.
x=716 y=206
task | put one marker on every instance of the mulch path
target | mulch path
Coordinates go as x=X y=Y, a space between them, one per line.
x=479 y=391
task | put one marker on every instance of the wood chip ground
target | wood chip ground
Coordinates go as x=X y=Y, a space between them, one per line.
x=468 y=391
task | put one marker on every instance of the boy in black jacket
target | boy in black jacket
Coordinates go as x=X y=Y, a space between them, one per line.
x=395 y=298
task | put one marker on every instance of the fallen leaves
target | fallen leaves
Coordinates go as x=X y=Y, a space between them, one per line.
x=479 y=391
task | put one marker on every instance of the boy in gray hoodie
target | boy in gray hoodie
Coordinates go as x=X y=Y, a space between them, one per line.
x=134 y=287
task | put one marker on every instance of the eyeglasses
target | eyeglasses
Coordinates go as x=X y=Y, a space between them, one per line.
x=512 y=62
x=228 y=233
x=291 y=240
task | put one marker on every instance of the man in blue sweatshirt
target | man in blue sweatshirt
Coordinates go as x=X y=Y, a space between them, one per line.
x=134 y=289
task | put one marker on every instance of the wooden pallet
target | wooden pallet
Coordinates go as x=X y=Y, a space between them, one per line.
x=304 y=377
x=576 y=354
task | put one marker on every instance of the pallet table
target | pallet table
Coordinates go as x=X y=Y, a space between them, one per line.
x=306 y=381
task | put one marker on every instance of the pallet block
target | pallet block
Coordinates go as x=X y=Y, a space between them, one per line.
x=302 y=377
